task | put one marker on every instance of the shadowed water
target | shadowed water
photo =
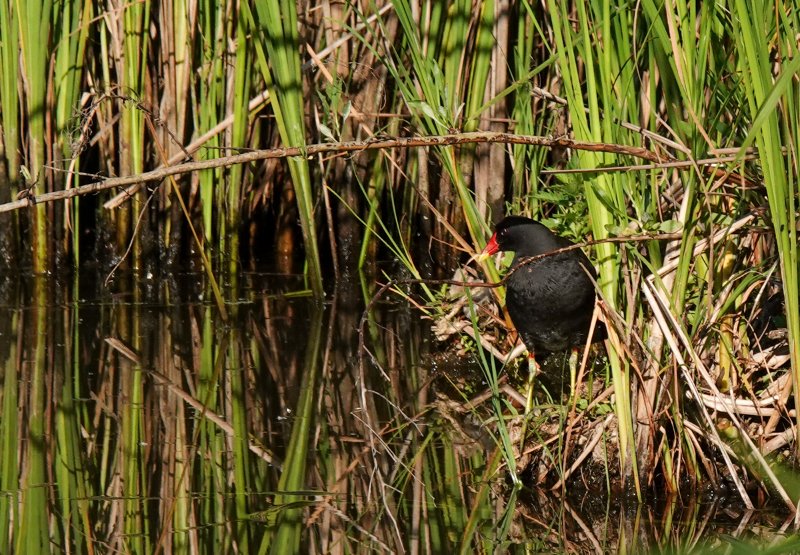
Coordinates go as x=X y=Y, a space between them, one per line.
x=136 y=420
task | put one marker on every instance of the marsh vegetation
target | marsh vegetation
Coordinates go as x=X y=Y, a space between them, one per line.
x=160 y=159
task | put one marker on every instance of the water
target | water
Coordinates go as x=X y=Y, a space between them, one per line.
x=136 y=419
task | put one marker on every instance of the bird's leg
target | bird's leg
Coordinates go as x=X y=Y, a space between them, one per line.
x=573 y=370
x=533 y=370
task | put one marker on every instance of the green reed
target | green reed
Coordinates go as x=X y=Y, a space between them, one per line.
x=279 y=61
x=773 y=105
x=34 y=31
x=34 y=535
x=9 y=436
x=241 y=455
x=682 y=79
x=9 y=97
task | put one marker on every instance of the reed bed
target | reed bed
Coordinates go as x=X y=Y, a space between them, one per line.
x=663 y=136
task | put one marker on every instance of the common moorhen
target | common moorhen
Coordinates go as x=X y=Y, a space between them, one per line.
x=550 y=300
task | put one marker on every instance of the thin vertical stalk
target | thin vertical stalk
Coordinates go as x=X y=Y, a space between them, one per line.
x=212 y=507
x=9 y=437
x=34 y=536
x=74 y=18
x=239 y=99
x=293 y=477
x=583 y=80
x=134 y=486
x=73 y=22
x=773 y=103
x=9 y=97
x=210 y=95
x=131 y=54
x=237 y=381
x=131 y=49
x=34 y=28
x=72 y=480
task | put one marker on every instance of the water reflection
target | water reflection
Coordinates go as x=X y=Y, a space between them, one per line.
x=134 y=419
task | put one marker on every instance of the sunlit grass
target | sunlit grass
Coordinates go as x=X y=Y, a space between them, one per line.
x=697 y=393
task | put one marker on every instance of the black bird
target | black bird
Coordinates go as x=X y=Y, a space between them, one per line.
x=550 y=300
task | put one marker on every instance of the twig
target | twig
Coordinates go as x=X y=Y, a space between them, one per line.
x=193 y=147
x=353 y=146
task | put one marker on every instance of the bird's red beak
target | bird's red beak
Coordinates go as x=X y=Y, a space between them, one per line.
x=490 y=248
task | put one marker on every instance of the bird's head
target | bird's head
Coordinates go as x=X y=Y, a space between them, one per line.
x=520 y=235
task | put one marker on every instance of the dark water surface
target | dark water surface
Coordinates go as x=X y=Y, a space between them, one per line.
x=135 y=419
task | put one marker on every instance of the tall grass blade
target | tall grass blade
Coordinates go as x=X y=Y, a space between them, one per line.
x=9 y=434
x=278 y=49
x=9 y=97
x=34 y=534
x=774 y=104
x=34 y=34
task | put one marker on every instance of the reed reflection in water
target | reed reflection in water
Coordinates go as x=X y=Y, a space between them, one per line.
x=135 y=420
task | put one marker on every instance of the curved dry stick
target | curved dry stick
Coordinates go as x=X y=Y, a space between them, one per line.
x=353 y=146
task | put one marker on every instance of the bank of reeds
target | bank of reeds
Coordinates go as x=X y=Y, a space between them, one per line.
x=703 y=381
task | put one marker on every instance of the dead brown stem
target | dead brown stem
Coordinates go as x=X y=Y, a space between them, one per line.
x=353 y=146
